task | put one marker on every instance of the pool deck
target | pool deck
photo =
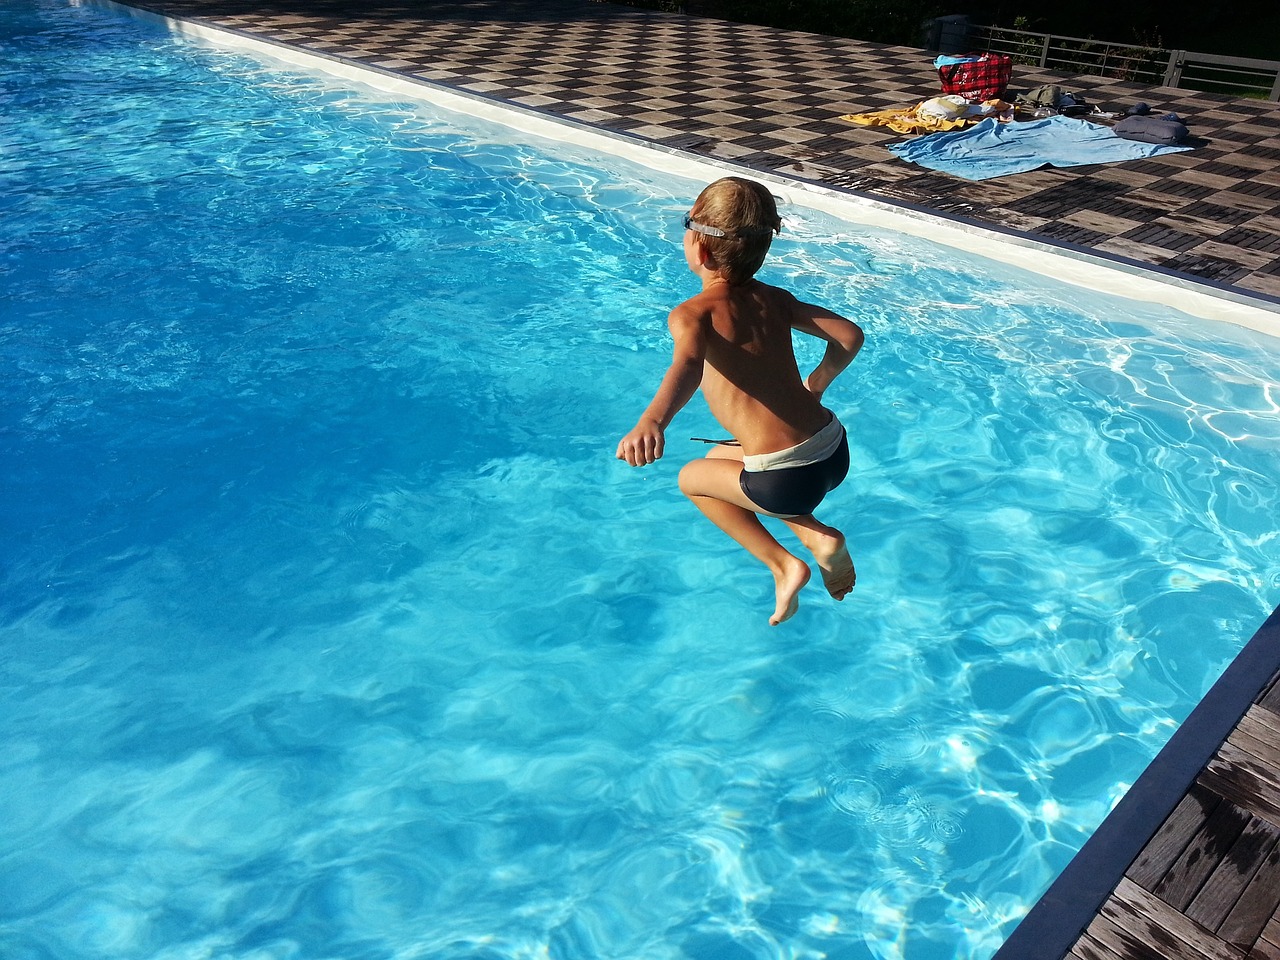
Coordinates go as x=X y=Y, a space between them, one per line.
x=1188 y=865
x=773 y=100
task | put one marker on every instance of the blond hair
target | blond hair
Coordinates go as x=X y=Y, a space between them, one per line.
x=747 y=214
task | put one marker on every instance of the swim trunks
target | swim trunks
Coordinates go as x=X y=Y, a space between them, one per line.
x=792 y=482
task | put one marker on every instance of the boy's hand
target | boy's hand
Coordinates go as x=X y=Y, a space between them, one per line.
x=643 y=445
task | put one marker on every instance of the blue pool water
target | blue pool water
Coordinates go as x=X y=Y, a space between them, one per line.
x=331 y=627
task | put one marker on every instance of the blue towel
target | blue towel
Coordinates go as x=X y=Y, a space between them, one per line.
x=994 y=149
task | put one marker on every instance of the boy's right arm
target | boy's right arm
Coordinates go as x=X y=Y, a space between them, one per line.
x=645 y=442
x=843 y=337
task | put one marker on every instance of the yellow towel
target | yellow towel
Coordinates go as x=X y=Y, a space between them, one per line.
x=930 y=116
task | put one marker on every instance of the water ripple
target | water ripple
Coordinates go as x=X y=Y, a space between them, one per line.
x=332 y=627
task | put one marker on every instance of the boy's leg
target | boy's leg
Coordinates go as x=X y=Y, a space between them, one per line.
x=829 y=550
x=712 y=485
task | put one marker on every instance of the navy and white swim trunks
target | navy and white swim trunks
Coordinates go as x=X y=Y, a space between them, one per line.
x=792 y=482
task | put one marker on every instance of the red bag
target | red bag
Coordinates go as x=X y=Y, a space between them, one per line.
x=979 y=77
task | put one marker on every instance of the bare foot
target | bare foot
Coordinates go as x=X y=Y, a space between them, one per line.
x=829 y=551
x=835 y=564
x=793 y=576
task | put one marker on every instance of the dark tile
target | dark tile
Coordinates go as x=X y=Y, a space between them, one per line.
x=1207 y=268
x=1070 y=233
x=773 y=90
x=1156 y=235
x=1216 y=212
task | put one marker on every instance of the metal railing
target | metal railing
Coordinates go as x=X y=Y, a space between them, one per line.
x=1218 y=74
x=1157 y=66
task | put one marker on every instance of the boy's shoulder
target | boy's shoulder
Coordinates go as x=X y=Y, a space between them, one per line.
x=753 y=288
x=776 y=300
x=756 y=292
x=780 y=293
x=725 y=308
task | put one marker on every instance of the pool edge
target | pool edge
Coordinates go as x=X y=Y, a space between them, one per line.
x=1065 y=262
x=1056 y=921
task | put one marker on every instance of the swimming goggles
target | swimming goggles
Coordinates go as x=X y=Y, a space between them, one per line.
x=702 y=228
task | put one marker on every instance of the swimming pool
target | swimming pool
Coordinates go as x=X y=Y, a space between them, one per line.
x=332 y=627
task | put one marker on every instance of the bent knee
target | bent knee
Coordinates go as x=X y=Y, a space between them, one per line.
x=688 y=479
x=711 y=478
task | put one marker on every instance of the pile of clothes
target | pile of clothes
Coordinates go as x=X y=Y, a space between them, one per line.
x=972 y=90
x=1139 y=124
x=971 y=134
x=948 y=112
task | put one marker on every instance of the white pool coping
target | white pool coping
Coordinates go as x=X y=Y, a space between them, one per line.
x=1091 y=270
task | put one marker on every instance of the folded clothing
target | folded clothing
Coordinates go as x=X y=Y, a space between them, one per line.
x=1148 y=129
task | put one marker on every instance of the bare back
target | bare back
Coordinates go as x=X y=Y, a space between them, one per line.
x=750 y=378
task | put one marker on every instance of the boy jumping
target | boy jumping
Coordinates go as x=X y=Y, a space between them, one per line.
x=734 y=340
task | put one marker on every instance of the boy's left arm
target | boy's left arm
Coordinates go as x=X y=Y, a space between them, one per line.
x=646 y=440
x=843 y=337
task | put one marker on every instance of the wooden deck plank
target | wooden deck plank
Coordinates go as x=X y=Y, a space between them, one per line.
x=1257 y=906
x=1201 y=857
x=1137 y=944
x=1218 y=897
x=1268 y=945
x=1265 y=754
x=1263 y=735
x=1272 y=931
x=1237 y=788
x=1134 y=908
x=1265 y=771
x=1168 y=843
x=1261 y=725
x=1270 y=700
x=1236 y=776
x=1132 y=945
x=1265 y=950
x=1087 y=948
x=1266 y=720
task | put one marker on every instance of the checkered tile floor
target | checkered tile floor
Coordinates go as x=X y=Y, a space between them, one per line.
x=772 y=100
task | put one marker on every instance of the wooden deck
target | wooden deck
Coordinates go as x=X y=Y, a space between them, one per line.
x=1187 y=865
x=1207 y=884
